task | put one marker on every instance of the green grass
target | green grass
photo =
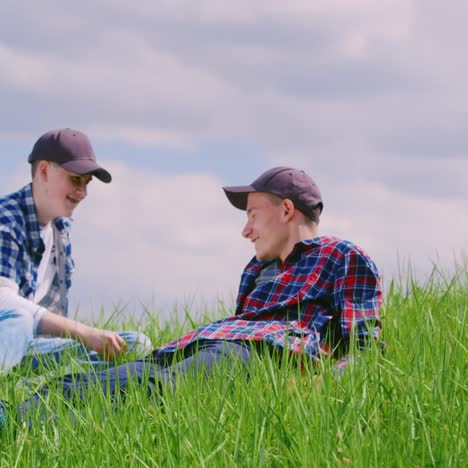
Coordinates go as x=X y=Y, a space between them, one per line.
x=402 y=408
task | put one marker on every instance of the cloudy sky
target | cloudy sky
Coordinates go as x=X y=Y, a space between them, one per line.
x=181 y=97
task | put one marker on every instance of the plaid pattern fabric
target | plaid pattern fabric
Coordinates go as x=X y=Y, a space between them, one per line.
x=21 y=249
x=325 y=286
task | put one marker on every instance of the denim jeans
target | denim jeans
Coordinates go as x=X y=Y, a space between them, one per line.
x=199 y=358
x=17 y=344
x=16 y=332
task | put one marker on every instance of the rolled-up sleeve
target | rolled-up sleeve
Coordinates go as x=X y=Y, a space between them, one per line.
x=357 y=298
x=10 y=299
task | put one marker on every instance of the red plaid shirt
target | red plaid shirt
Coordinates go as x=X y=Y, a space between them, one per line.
x=326 y=287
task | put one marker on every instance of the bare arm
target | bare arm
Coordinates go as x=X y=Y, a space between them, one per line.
x=107 y=343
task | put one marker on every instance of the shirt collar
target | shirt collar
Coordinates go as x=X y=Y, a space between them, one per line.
x=254 y=266
x=302 y=247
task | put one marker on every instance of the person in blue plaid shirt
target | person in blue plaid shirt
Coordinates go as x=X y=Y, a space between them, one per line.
x=36 y=263
x=306 y=294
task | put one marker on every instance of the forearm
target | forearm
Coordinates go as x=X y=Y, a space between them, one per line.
x=56 y=325
x=105 y=342
x=45 y=322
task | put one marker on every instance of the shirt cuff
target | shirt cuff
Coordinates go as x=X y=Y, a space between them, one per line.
x=37 y=317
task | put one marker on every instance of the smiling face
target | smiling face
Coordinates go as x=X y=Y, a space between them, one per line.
x=62 y=191
x=266 y=226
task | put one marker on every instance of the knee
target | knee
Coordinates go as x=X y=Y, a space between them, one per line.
x=16 y=332
x=137 y=343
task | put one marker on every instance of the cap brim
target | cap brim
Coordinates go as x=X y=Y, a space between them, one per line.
x=238 y=195
x=86 y=166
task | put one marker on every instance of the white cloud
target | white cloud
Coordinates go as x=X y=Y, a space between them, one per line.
x=23 y=70
x=162 y=238
x=369 y=96
x=156 y=240
x=146 y=238
x=140 y=135
x=393 y=226
x=334 y=76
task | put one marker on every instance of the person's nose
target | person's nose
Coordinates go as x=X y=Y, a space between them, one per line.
x=247 y=231
x=82 y=190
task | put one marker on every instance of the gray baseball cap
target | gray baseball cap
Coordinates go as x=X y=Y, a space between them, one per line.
x=72 y=150
x=284 y=182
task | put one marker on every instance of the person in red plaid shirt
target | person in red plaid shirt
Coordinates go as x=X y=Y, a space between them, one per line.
x=301 y=292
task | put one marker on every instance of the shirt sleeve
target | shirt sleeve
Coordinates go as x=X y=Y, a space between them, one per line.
x=357 y=298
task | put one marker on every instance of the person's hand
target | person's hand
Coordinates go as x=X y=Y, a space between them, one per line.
x=107 y=343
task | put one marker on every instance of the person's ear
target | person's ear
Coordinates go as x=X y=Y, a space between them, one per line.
x=288 y=209
x=42 y=171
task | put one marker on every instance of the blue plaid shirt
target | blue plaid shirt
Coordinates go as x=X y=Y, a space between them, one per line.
x=21 y=249
x=323 y=293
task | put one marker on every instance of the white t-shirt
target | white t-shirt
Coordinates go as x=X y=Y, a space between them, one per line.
x=48 y=266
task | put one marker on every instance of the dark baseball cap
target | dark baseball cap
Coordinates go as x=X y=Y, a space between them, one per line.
x=284 y=182
x=72 y=150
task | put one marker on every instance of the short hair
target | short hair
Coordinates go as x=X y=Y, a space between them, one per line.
x=34 y=165
x=276 y=200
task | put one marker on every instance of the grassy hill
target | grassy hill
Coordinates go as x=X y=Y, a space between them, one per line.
x=405 y=407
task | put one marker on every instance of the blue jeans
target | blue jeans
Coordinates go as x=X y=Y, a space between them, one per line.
x=18 y=345
x=199 y=358
x=16 y=332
